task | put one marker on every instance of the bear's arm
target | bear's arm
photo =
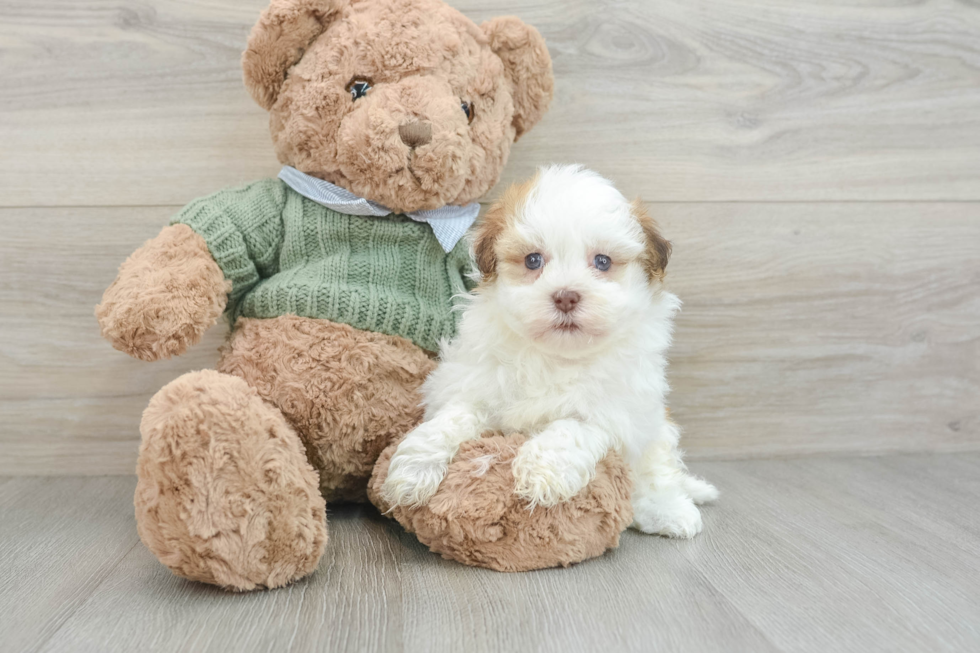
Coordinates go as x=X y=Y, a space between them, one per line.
x=175 y=287
x=243 y=229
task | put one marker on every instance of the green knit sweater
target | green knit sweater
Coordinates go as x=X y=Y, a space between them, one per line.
x=286 y=254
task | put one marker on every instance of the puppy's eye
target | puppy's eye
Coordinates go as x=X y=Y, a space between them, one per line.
x=533 y=261
x=602 y=262
x=468 y=110
x=358 y=88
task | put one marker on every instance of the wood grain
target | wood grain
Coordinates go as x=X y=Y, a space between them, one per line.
x=802 y=555
x=806 y=329
x=69 y=403
x=837 y=555
x=141 y=102
x=59 y=540
x=825 y=328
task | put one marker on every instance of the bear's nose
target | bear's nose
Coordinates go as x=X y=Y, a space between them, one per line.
x=415 y=134
x=566 y=300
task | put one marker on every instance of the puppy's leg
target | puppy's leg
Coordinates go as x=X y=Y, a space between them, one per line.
x=665 y=494
x=559 y=462
x=422 y=458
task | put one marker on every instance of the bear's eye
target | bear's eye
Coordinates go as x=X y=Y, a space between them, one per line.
x=467 y=109
x=602 y=262
x=358 y=87
x=533 y=261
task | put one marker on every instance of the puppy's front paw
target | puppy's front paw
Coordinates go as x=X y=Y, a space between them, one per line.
x=546 y=477
x=413 y=478
x=675 y=517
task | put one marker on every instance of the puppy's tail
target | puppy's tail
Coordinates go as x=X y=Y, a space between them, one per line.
x=700 y=490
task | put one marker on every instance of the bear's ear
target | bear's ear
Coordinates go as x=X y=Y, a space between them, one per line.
x=284 y=31
x=528 y=66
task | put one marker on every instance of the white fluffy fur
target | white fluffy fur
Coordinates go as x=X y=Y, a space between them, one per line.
x=576 y=394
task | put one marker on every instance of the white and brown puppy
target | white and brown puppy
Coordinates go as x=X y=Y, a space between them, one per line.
x=564 y=341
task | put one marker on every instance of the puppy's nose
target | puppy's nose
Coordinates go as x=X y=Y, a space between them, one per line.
x=415 y=134
x=566 y=300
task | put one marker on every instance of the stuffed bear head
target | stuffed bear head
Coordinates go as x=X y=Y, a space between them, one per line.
x=405 y=102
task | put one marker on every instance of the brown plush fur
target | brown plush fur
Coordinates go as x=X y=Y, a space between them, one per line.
x=525 y=56
x=278 y=40
x=167 y=294
x=422 y=58
x=347 y=393
x=476 y=519
x=225 y=493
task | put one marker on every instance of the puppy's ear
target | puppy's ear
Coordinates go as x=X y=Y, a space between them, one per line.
x=485 y=239
x=284 y=31
x=657 y=248
x=497 y=220
x=527 y=65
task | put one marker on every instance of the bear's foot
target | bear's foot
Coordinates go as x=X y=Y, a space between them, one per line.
x=477 y=518
x=225 y=494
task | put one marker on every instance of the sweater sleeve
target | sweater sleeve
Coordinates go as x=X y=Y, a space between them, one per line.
x=243 y=228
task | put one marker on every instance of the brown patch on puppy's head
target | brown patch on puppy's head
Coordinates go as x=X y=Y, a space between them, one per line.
x=499 y=217
x=404 y=102
x=657 y=248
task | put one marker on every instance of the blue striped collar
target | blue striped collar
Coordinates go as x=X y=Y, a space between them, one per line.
x=448 y=223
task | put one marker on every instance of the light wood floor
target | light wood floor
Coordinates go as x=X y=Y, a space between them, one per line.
x=811 y=554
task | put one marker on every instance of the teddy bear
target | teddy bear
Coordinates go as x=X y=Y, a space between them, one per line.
x=391 y=117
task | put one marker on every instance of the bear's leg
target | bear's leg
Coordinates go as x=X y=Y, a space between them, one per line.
x=347 y=393
x=225 y=492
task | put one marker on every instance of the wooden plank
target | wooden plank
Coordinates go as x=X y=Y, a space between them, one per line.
x=644 y=596
x=59 y=539
x=142 y=103
x=378 y=589
x=71 y=404
x=811 y=554
x=352 y=603
x=832 y=554
x=825 y=328
x=806 y=329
